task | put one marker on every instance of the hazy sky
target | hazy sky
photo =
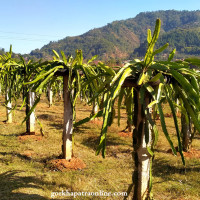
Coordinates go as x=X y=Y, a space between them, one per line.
x=30 y=24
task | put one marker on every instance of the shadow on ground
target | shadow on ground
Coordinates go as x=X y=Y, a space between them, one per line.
x=93 y=142
x=11 y=181
x=162 y=168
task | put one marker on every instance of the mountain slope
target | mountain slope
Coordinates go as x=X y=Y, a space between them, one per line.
x=120 y=39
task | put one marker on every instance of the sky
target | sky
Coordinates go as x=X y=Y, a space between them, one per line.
x=31 y=24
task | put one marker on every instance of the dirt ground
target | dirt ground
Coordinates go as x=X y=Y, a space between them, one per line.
x=63 y=165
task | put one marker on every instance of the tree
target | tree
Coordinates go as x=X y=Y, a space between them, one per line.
x=68 y=68
x=153 y=82
x=10 y=79
x=28 y=71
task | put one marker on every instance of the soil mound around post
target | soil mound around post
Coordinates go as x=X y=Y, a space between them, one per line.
x=65 y=165
x=97 y=121
x=192 y=153
x=26 y=136
x=125 y=134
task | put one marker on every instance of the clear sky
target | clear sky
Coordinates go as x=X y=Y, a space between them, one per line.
x=30 y=24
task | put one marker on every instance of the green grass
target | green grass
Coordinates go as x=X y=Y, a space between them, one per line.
x=28 y=177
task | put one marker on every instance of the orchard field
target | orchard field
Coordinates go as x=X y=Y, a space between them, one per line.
x=80 y=146
x=25 y=172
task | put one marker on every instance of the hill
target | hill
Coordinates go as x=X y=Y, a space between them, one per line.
x=125 y=38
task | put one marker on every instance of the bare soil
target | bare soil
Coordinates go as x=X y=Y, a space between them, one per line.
x=25 y=136
x=97 y=121
x=125 y=134
x=192 y=153
x=64 y=165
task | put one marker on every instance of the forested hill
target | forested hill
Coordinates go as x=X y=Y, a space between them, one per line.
x=125 y=38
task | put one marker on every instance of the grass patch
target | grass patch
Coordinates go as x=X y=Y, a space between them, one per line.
x=24 y=172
